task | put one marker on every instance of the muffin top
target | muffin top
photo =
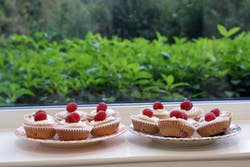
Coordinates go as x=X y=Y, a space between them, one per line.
x=40 y=117
x=101 y=117
x=73 y=120
x=158 y=109
x=71 y=107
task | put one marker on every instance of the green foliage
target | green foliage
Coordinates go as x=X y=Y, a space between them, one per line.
x=227 y=33
x=36 y=70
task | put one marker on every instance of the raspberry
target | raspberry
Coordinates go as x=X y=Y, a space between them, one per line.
x=40 y=115
x=73 y=117
x=176 y=114
x=148 y=112
x=40 y=111
x=101 y=106
x=184 y=116
x=216 y=111
x=100 y=115
x=210 y=116
x=158 y=105
x=71 y=107
x=186 y=105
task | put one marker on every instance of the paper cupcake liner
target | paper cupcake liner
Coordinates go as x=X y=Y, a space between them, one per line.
x=39 y=132
x=105 y=129
x=213 y=128
x=72 y=133
x=175 y=128
x=144 y=126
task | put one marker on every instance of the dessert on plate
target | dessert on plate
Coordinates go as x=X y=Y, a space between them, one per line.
x=71 y=107
x=178 y=125
x=104 y=124
x=191 y=111
x=102 y=106
x=159 y=110
x=73 y=128
x=39 y=125
x=145 y=122
x=213 y=124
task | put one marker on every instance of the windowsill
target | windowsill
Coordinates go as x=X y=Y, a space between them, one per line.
x=127 y=148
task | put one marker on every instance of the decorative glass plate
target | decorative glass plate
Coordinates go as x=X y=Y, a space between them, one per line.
x=196 y=140
x=20 y=132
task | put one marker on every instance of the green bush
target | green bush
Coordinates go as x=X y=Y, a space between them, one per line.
x=35 y=70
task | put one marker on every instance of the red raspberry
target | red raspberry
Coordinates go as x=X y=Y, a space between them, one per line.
x=71 y=107
x=40 y=115
x=216 y=111
x=39 y=111
x=158 y=105
x=100 y=115
x=210 y=116
x=101 y=106
x=186 y=105
x=73 y=117
x=176 y=113
x=148 y=112
x=184 y=116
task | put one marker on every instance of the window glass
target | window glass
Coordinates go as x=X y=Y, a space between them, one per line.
x=56 y=51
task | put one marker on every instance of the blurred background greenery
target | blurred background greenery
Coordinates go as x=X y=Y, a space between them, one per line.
x=56 y=51
x=124 y=18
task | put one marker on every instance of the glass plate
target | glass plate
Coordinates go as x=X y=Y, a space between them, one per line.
x=20 y=132
x=193 y=141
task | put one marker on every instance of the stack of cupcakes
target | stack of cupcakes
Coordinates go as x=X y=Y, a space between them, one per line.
x=181 y=122
x=105 y=121
x=73 y=128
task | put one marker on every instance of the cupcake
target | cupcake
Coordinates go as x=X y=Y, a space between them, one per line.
x=71 y=107
x=177 y=125
x=73 y=128
x=191 y=111
x=103 y=124
x=39 y=125
x=159 y=111
x=145 y=122
x=101 y=107
x=212 y=125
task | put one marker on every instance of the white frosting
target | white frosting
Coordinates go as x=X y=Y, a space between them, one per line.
x=79 y=124
x=106 y=120
x=146 y=118
x=29 y=119
x=189 y=122
x=64 y=114
x=193 y=122
x=217 y=119
x=225 y=114
x=160 y=112
x=108 y=112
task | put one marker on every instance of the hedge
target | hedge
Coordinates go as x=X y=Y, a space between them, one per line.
x=35 y=70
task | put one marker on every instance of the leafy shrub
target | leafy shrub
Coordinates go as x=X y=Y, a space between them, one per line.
x=35 y=70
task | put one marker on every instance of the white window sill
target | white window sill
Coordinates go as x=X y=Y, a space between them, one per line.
x=126 y=149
